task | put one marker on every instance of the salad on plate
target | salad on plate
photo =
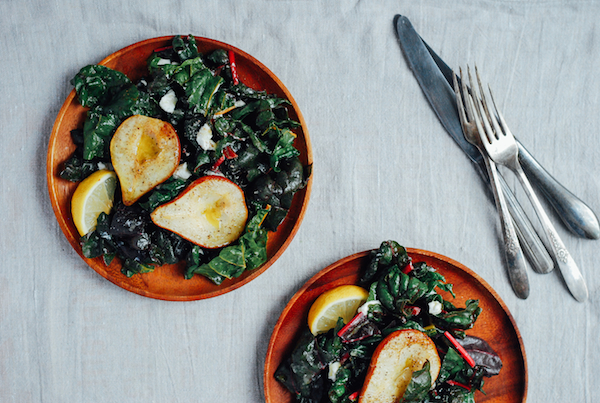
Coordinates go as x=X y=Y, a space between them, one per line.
x=198 y=166
x=398 y=340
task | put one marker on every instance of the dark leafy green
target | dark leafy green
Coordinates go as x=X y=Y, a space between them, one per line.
x=483 y=354
x=232 y=261
x=253 y=147
x=97 y=85
x=97 y=132
x=418 y=388
x=302 y=372
x=76 y=168
x=163 y=193
x=402 y=295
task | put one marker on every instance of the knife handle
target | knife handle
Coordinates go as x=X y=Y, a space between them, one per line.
x=532 y=246
x=576 y=215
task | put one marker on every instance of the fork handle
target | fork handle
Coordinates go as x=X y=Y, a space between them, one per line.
x=576 y=215
x=532 y=245
x=564 y=260
x=517 y=270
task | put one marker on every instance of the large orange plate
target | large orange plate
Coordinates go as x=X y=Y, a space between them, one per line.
x=167 y=282
x=495 y=324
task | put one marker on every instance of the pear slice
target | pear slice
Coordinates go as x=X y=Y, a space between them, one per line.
x=210 y=212
x=144 y=152
x=393 y=363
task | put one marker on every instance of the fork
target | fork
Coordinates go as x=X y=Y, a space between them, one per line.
x=502 y=148
x=471 y=125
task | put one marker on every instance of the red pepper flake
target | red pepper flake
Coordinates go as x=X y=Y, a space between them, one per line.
x=353 y=397
x=218 y=163
x=234 y=72
x=408 y=268
x=344 y=358
x=163 y=48
x=455 y=383
x=229 y=153
x=461 y=350
x=413 y=310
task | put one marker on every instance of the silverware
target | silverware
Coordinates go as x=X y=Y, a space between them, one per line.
x=577 y=216
x=435 y=84
x=503 y=149
x=472 y=125
x=574 y=213
x=535 y=251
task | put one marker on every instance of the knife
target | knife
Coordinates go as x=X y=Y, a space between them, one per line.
x=575 y=214
x=441 y=96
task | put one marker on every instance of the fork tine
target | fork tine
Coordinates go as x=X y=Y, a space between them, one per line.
x=483 y=126
x=470 y=112
x=476 y=118
x=482 y=94
x=490 y=116
x=459 y=103
x=505 y=128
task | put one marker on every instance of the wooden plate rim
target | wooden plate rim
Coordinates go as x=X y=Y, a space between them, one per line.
x=270 y=366
x=66 y=224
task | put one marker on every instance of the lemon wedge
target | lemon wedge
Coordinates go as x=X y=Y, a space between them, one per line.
x=94 y=195
x=339 y=302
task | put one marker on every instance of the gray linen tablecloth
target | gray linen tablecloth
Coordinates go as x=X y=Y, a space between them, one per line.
x=384 y=169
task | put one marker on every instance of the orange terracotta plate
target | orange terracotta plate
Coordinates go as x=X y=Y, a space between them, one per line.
x=495 y=324
x=167 y=282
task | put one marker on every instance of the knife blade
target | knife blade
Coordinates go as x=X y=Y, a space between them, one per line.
x=441 y=97
x=575 y=214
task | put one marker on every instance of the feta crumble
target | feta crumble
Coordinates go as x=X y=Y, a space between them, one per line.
x=204 y=138
x=333 y=368
x=182 y=172
x=162 y=62
x=435 y=307
x=105 y=165
x=364 y=308
x=168 y=102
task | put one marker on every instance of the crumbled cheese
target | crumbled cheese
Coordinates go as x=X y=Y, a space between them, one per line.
x=333 y=368
x=204 y=138
x=182 y=172
x=105 y=165
x=162 y=62
x=213 y=173
x=435 y=307
x=239 y=103
x=364 y=308
x=168 y=101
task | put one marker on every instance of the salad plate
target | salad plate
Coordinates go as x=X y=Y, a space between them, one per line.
x=167 y=282
x=495 y=323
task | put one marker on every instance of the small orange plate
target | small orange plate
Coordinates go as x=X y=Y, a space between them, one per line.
x=495 y=324
x=167 y=282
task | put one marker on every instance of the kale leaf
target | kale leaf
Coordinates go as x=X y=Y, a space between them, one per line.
x=76 y=168
x=97 y=133
x=419 y=385
x=248 y=254
x=97 y=85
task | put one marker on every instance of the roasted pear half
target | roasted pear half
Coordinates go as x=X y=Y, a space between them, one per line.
x=210 y=212
x=393 y=363
x=144 y=152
